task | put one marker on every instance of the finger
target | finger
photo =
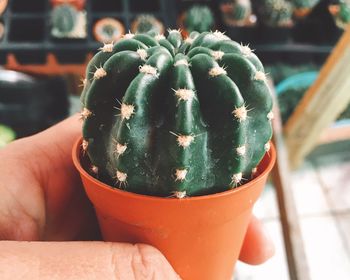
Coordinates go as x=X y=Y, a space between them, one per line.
x=82 y=260
x=257 y=246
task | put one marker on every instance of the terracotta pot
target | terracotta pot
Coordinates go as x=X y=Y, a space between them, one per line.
x=200 y=236
x=78 y=4
x=302 y=12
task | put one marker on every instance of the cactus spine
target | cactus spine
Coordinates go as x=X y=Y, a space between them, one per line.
x=173 y=117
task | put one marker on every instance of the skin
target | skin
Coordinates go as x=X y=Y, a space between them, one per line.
x=42 y=200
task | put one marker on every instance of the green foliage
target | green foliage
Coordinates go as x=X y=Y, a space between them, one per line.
x=6 y=135
x=288 y=101
x=173 y=117
x=344 y=12
x=281 y=71
x=199 y=18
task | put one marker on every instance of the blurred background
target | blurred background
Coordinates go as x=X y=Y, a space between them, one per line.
x=46 y=44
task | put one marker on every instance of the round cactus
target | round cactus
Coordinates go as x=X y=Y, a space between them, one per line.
x=241 y=9
x=64 y=18
x=276 y=13
x=198 y=18
x=237 y=12
x=173 y=117
x=145 y=23
x=108 y=30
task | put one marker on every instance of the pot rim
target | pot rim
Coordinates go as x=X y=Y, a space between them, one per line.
x=77 y=152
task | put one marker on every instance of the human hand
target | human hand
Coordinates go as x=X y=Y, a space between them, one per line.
x=42 y=200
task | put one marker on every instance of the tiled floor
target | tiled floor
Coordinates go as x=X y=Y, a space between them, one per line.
x=321 y=189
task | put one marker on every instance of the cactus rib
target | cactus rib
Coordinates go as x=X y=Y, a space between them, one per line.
x=173 y=120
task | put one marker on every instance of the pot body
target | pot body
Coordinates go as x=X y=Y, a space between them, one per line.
x=78 y=4
x=200 y=236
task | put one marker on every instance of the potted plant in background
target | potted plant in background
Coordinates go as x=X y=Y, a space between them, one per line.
x=176 y=146
x=145 y=23
x=239 y=19
x=68 y=19
x=107 y=30
x=276 y=18
x=78 y=4
x=303 y=7
x=198 y=18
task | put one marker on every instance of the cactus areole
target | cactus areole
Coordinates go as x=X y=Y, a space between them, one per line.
x=175 y=117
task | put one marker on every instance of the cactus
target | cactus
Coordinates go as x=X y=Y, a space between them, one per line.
x=64 y=18
x=177 y=117
x=344 y=12
x=198 y=18
x=309 y=4
x=342 y=17
x=237 y=12
x=276 y=13
x=108 y=30
x=145 y=23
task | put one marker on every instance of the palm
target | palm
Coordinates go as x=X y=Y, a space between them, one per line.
x=44 y=199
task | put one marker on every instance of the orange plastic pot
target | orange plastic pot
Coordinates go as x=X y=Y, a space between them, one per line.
x=78 y=4
x=200 y=236
x=301 y=12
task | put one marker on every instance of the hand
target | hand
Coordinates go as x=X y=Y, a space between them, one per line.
x=42 y=200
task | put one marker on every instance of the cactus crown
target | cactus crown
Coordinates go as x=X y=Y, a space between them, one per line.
x=276 y=12
x=64 y=18
x=199 y=18
x=173 y=117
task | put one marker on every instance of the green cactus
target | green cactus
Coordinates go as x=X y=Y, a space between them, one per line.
x=64 y=18
x=173 y=117
x=145 y=23
x=237 y=12
x=242 y=9
x=276 y=13
x=344 y=12
x=304 y=3
x=198 y=18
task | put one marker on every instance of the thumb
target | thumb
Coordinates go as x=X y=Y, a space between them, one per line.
x=82 y=260
x=257 y=246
